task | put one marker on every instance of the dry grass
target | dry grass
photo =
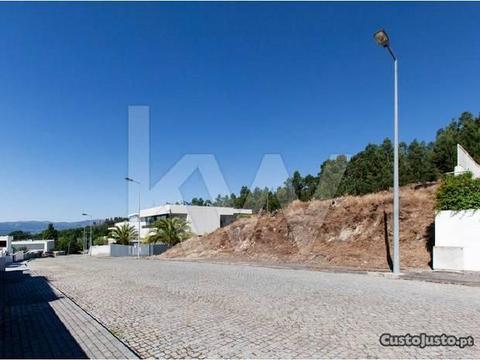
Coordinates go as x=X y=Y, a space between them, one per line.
x=350 y=231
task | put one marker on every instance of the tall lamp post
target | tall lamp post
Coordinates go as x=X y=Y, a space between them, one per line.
x=382 y=40
x=139 y=223
x=84 y=240
x=91 y=225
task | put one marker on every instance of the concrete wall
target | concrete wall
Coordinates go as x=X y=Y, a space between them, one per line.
x=121 y=250
x=45 y=245
x=466 y=163
x=117 y=250
x=203 y=219
x=18 y=256
x=457 y=240
x=100 y=250
x=157 y=249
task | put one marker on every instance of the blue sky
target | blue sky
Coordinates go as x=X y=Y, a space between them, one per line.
x=237 y=80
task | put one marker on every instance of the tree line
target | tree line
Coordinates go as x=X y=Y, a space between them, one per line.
x=72 y=240
x=370 y=170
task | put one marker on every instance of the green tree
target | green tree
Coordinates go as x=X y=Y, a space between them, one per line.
x=239 y=201
x=20 y=235
x=310 y=184
x=469 y=134
x=330 y=176
x=444 y=154
x=70 y=241
x=297 y=184
x=466 y=132
x=369 y=171
x=198 y=202
x=123 y=234
x=50 y=233
x=170 y=231
x=420 y=166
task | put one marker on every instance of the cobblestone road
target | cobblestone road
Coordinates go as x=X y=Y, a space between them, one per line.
x=37 y=321
x=184 y=309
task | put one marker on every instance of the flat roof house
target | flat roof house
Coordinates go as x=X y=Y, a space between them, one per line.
x=202 y=219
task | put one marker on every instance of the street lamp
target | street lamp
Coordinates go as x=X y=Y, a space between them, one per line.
x=84 y=240
x=382 y=39
x=91 y=224
x=139 y=224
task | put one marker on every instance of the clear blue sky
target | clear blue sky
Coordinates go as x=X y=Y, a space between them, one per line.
x=236 y=80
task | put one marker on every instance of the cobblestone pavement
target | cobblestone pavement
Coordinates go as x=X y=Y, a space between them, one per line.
x=37 y=321
x=170 y=309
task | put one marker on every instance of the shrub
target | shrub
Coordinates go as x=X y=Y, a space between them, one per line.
x=461 y=192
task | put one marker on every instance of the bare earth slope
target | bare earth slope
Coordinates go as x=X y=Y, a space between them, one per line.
x=352 y=231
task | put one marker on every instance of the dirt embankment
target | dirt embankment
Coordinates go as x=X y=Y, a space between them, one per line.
x=352 y=231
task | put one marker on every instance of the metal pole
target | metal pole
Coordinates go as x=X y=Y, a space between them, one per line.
x=139 y=223
x=91 y=229
x=396 y=188
x=84 y=239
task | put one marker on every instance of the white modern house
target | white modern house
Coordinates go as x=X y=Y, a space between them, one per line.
x=202 y=219
x=457 y=233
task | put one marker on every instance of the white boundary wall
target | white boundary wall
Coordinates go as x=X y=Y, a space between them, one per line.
x=100 y=250
x=457 y=240
x=45 y=245
x=126 y=250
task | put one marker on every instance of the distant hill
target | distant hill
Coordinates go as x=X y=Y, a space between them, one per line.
x=38 y=226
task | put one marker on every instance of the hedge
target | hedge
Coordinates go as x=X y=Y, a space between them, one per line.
x=460 y=192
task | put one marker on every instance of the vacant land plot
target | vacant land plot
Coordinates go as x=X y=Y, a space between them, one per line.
x=186 y=309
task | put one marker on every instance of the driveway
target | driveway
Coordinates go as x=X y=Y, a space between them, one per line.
x=169 y=309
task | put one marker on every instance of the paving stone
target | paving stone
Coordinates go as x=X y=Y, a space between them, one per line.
x=37 y=321
x=168 y=309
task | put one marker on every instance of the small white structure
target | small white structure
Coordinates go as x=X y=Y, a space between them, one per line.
x=457 y=240
x=6 y=244
x=44 y=245
x=201 y=219
x=457 y=233
x=466 y=163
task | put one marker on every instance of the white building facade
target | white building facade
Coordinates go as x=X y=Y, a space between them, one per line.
x=6 y=244
x=43 y=245
x=201 y=219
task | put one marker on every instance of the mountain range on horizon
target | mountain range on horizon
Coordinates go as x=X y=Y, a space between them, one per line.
x=35 y=227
